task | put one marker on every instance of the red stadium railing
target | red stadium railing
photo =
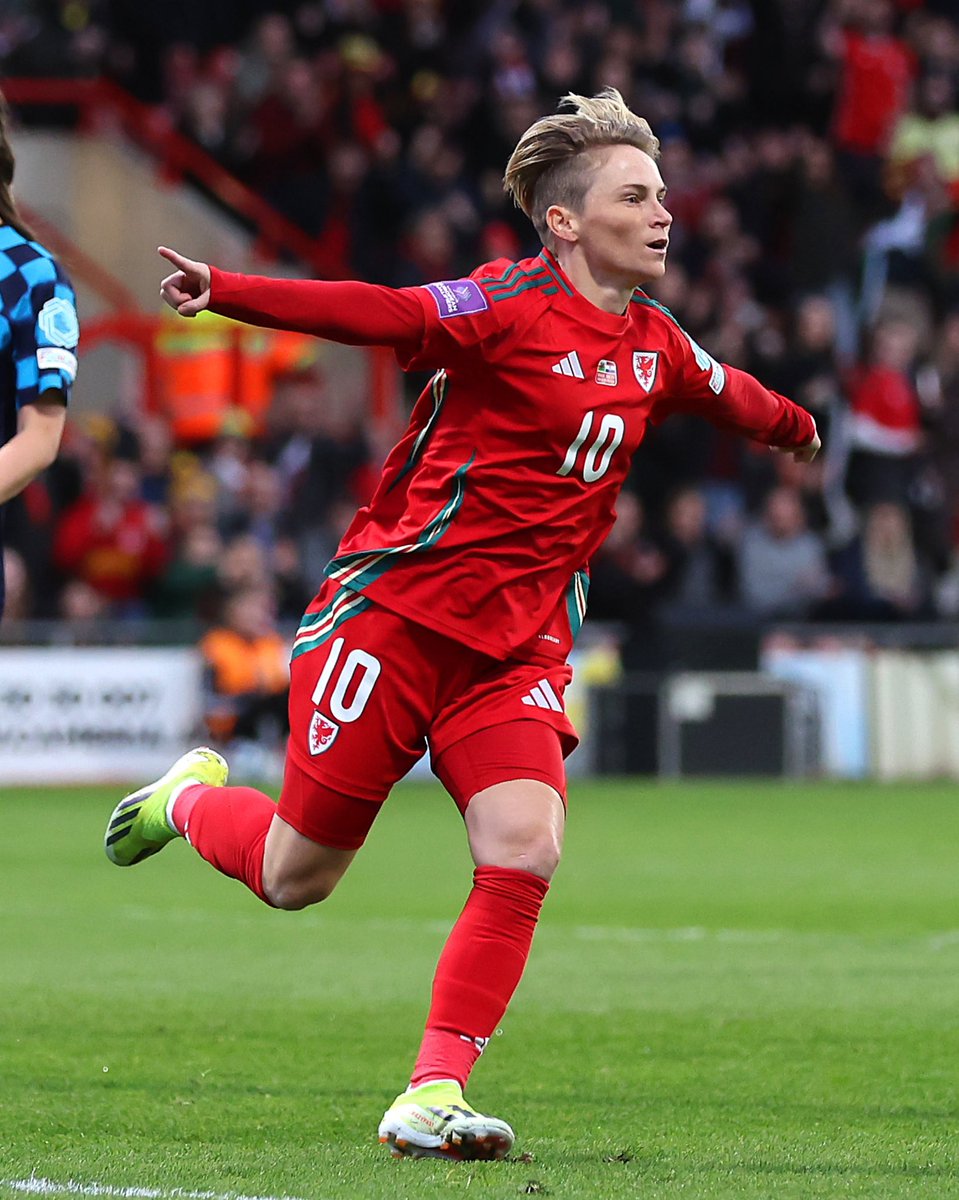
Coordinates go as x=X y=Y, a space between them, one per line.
x=102 y=104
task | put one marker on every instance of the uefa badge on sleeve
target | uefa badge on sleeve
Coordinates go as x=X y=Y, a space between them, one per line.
x=323 y=733
x=645 y=365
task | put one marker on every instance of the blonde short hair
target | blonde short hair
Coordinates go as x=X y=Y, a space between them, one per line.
x=552 y=164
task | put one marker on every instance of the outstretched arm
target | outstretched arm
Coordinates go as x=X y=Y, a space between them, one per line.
x=357 y=314
x=745 y=406
x=736 y=401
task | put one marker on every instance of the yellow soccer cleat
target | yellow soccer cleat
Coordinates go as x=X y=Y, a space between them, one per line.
x=434 y=1121
x=138 y=826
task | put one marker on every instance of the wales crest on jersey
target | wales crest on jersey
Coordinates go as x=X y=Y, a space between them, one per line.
x=645 y=366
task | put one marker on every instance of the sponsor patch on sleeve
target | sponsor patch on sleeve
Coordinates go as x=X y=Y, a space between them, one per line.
x=457 y=297
x=52 y=358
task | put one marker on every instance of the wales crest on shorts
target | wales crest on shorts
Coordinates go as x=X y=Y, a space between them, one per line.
x=323 y=733
x=645 y=365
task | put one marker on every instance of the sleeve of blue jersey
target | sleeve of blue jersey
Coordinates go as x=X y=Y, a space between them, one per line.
x=45 y=331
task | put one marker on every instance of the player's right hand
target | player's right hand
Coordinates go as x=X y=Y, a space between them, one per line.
x=188 y=288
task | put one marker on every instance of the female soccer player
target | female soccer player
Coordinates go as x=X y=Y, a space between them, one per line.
x=450 y=608
x=38 y=341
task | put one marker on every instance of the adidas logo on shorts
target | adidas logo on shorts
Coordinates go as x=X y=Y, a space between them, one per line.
x=543 y=696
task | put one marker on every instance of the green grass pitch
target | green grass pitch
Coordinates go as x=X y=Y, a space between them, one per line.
x=738 y=990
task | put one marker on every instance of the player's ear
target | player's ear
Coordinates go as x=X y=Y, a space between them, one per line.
x=563 y=223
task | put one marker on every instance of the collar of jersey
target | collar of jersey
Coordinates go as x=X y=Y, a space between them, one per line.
x=586 y=312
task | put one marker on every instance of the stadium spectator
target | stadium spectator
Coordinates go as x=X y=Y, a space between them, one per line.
x=875 y=71
x=628 y=580
x=782 y=565
x=189 y=585
x=930 y=128
x=247 y=672
x=886 y=431
x=112 y=540
x=82 y=608
x=878 y=576
x=243 y=565
x=451 y=605
x=700 y=575
x=218 y=379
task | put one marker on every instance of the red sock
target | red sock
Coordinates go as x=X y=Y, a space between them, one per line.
x=481 y=964
x=227 y=826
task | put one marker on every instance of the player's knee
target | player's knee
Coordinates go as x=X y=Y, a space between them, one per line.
x=292 y=894
x=535 y=850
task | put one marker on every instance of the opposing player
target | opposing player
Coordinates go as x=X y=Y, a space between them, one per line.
x=38 y=342
x=450 y=608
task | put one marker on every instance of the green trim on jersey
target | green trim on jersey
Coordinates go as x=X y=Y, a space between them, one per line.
x=512 y=269
x=555 y=274
x=438 y=386
x=316 y=628
x=576 y=595
x=523 y=282
x=362 y=567
x=649 y=302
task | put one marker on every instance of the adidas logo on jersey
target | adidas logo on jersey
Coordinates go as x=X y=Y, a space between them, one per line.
x=570 y=365
x=543 y=696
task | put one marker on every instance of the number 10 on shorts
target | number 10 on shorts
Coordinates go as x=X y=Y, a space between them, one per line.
x=353 y=686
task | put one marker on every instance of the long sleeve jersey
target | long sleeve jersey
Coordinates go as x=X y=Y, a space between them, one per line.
x=504 y=484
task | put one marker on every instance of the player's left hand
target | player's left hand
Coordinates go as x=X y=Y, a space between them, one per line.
x=807 y=453
x=804 y=454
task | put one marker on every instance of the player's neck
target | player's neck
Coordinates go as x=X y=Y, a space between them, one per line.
x=612 y=296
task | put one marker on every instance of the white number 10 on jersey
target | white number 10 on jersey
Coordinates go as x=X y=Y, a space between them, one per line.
x=598 y=456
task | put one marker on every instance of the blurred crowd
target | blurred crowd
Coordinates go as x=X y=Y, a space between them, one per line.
x=811 y=151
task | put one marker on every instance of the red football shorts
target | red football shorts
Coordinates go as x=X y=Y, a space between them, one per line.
x=369 y=690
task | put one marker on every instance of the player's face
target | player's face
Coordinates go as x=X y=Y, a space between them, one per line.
x=623 y=229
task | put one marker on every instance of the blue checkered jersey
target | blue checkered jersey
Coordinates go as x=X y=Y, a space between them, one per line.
x=39 y=330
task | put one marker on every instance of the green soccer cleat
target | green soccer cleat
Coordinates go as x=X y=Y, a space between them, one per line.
x=434 y=1121
x=138 y=826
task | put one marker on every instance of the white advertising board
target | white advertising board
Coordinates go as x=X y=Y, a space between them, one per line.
x=87 y=715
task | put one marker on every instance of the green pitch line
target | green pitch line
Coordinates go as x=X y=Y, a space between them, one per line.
x=738 y=990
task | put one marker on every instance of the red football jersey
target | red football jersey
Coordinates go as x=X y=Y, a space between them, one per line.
x=503 y=486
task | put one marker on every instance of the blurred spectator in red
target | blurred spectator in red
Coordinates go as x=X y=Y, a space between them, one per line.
x=875 y=70
x=113 y=540
x=886 y=427
x=286 y=141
